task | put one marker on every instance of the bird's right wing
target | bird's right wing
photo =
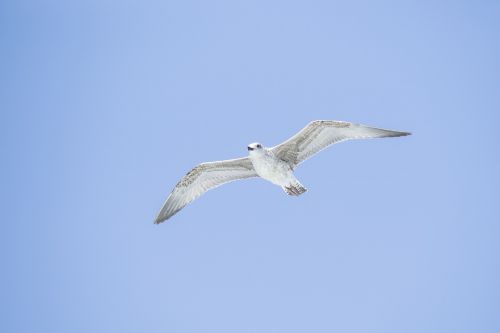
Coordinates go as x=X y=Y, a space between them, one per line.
x=202 y=178
x=320 y=134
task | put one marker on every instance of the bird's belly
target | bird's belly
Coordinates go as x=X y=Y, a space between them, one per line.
x=275 y=172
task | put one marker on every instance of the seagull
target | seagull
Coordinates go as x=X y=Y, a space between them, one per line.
x=274 y=164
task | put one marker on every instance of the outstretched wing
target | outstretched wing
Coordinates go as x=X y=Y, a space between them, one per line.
x=202 y=178
x=320 y=134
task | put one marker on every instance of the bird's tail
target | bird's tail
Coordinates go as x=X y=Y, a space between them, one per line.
x=295 y=188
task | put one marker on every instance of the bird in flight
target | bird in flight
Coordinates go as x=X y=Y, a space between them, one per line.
x=274 y=164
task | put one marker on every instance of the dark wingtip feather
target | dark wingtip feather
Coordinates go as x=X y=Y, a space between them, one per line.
x=158 y=220
x=397 y=134
x=162 y=217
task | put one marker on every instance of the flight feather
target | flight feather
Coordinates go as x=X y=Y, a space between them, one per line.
x=202 y=178
x=320 y=134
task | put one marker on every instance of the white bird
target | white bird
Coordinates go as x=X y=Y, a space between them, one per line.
x=274 y=164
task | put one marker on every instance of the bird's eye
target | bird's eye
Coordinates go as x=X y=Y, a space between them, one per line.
x=259 y=146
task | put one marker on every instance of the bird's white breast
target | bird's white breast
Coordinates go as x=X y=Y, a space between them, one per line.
x=271 y=168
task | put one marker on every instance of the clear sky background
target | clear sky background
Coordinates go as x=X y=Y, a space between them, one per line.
x=106 y=104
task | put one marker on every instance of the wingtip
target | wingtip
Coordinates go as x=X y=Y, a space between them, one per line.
x=163 y=216
x=160 y=220
x=397 y=134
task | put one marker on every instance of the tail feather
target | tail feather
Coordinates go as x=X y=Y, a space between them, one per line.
x=294 y=189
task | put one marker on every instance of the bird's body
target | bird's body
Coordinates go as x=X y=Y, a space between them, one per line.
x=271 y=168
x=274 y=164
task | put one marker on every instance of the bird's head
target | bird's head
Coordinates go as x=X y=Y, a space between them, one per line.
x=255 y=147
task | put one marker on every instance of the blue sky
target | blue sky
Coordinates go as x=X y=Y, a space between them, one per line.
x=106 y=104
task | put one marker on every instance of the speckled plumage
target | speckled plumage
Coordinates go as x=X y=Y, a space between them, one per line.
x=274 y=164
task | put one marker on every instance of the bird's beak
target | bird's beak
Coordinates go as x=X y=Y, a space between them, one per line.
x=250 y=148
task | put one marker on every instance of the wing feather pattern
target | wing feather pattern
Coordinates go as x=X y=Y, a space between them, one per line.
x=320 y=134
x=202 y=178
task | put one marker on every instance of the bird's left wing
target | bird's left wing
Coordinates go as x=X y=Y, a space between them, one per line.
x=202 y=178
x=320 y=134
